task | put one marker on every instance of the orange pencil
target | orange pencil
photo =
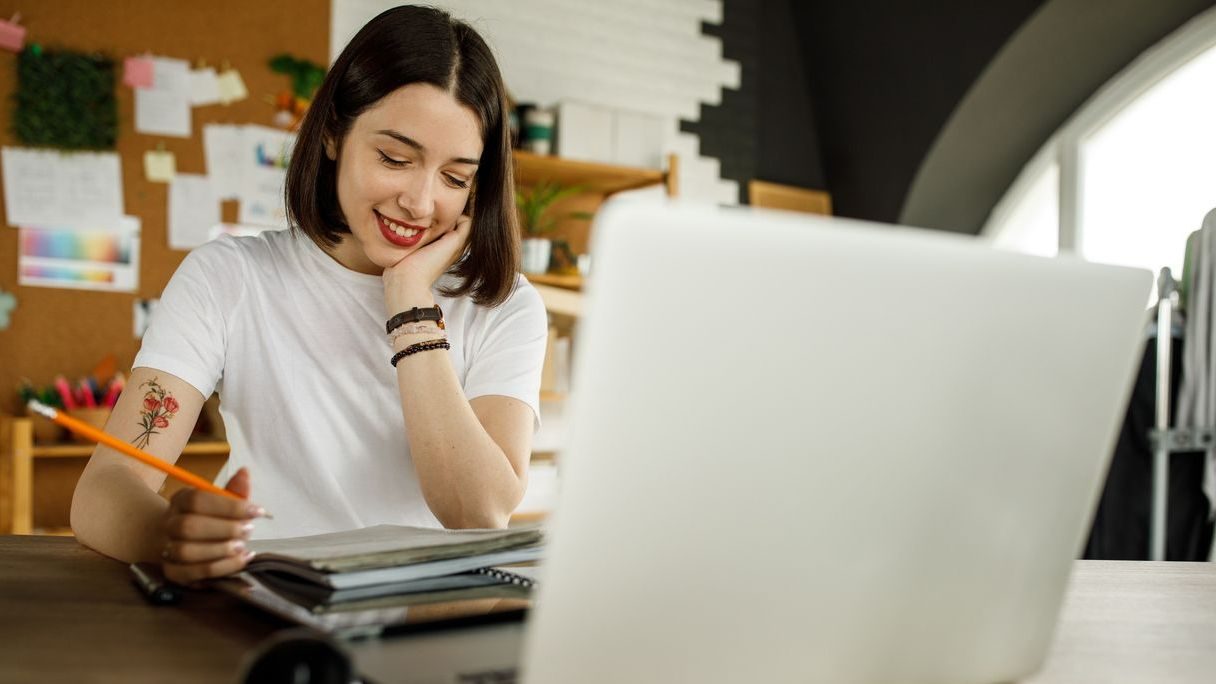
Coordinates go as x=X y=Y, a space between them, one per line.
x=90 y=432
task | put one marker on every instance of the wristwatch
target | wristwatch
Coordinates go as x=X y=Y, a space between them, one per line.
x=414 y=315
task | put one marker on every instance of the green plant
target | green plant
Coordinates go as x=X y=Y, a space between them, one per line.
x=535 y=202
x=65 y=100
x=305 y=76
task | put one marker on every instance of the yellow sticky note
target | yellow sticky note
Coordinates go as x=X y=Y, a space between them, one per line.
x=232 y=86
x=160 y=166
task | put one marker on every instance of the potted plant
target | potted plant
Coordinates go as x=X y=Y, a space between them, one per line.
x=534 y=204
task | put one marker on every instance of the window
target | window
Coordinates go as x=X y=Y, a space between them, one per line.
x=1148 y=175
x=1031 y=222
x=1133 y=173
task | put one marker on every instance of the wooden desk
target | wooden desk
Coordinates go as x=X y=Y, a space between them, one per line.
x=68 y=614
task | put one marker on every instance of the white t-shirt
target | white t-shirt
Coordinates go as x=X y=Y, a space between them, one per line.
x=294 y=343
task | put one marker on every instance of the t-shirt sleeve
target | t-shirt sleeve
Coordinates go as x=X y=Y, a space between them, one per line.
x=508 y=358
x=186 y=333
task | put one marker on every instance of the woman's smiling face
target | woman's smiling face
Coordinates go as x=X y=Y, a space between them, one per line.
x=405 y=172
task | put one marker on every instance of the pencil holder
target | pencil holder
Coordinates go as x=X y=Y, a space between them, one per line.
x=95 y=417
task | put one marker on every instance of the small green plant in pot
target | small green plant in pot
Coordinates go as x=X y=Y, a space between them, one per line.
x=534 y=205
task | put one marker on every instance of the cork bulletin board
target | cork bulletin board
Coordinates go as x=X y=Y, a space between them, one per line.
x=61 y=331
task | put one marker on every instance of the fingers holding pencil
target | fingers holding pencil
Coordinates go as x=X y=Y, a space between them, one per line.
x=206 y=533
x=205 y=527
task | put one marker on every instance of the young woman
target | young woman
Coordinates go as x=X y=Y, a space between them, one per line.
x=401 y=197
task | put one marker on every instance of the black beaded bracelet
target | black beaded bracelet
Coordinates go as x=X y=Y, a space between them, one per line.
x=419 y=347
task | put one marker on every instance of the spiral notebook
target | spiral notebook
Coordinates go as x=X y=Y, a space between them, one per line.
x=487 y=595
x=394 y=555
x=515 y=582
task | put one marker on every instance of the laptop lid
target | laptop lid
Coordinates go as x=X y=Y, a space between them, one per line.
x=809 y=449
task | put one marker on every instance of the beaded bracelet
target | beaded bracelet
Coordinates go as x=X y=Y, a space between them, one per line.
x=419 y=347
x=419 y=328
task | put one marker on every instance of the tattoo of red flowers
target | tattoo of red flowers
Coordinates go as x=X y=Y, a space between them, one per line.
x=159 y=407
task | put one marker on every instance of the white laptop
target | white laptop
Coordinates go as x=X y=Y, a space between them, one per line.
x=819 y=450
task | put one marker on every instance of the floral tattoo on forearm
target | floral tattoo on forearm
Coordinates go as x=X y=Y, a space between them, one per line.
x=159 y=407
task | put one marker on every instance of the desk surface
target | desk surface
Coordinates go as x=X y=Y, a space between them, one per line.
x=72 y=615
x=1135 y=621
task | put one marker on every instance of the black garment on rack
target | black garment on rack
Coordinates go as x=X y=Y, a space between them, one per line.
x=1121 y=526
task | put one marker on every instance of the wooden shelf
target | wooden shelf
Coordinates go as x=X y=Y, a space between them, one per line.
x=566 y=282
x=594 y=176
x=559 y=300
x=54 y=531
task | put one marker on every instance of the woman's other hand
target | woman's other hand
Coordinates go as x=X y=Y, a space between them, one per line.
x=408 y=283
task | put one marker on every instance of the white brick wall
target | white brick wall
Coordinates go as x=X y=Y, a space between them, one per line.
x=638 y=55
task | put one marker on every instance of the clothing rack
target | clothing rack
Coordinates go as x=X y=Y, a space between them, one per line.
x=1165 y=439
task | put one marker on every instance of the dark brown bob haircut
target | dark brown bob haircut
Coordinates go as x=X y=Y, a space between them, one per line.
x=405 y=45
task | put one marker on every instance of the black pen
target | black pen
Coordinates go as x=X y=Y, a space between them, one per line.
x=155 y=588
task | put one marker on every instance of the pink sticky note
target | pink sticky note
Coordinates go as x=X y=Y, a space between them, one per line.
x=12 y=36
x=137 y=72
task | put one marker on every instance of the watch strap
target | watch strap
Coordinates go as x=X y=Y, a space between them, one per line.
x=414 y=315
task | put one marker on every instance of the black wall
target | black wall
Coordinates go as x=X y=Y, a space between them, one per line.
x=884 y=77
x=850 y=96
x=846 y=96
x=766 y=128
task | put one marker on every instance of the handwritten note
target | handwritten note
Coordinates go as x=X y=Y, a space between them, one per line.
x=193 y=211
x=43 y=188
x=204 y=87
x=222 y=148
x=164 y=109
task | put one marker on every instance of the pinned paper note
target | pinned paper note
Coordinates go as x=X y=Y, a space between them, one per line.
x=106 y=258
x=266 y=154
x=222 y=146
x=204 y=87
x=137 y=72
x=164 y=109
x=160 y=166
x=12 y=34
x=249 y=163
x=193 y=211
x=44 y=188
x=232 y=86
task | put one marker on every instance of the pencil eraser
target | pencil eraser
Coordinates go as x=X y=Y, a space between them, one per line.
x=12 y=36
